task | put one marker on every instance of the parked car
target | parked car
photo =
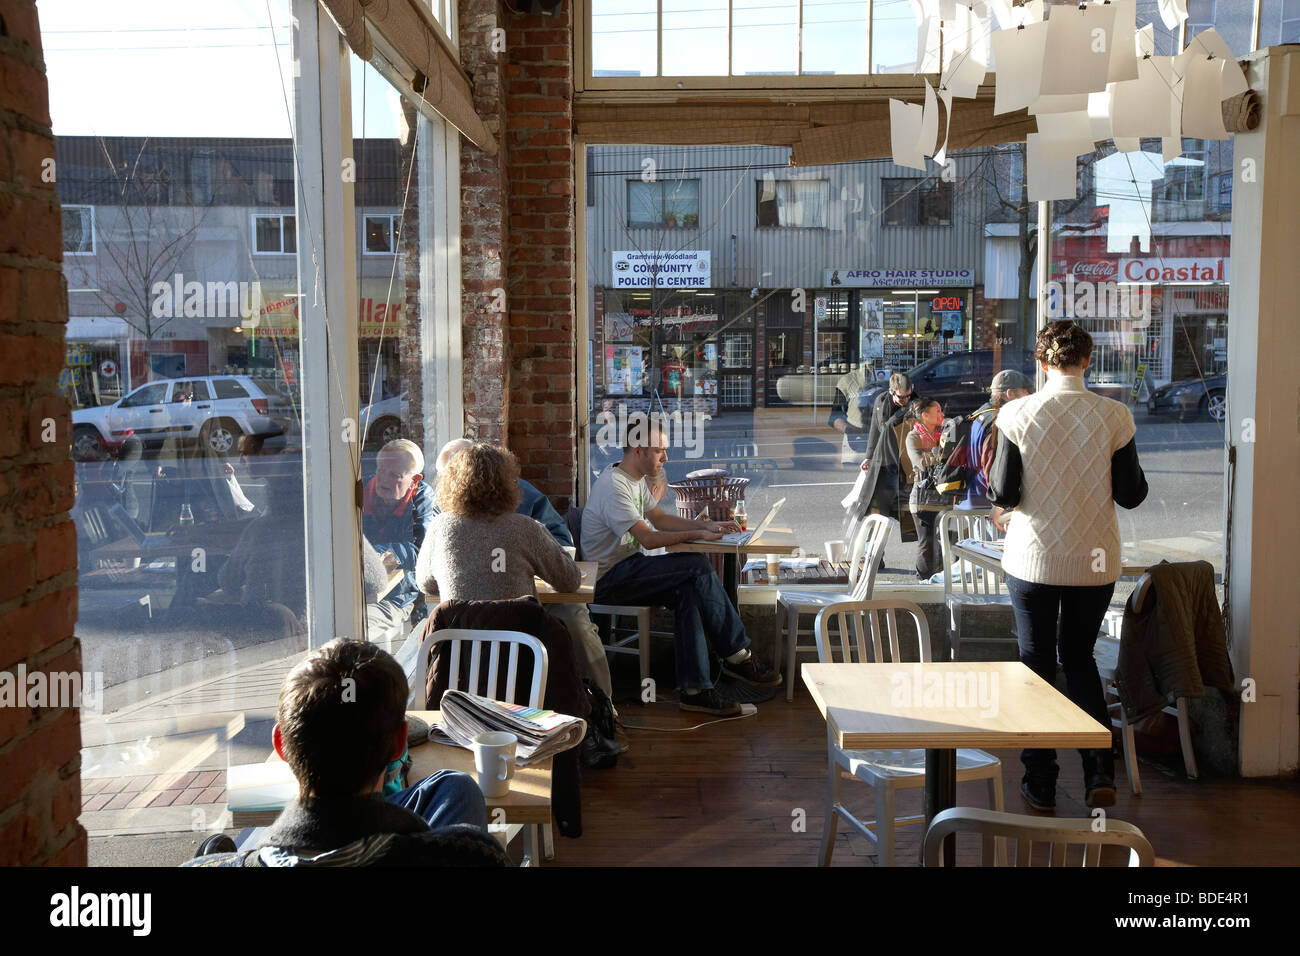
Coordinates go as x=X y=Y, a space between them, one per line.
x=384 y=421
x=223 y=408
x=961 y=381
x=1192 y=396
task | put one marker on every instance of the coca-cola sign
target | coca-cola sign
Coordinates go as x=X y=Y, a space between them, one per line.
x=1097 y=270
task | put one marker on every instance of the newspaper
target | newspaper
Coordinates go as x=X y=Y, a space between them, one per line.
x=989 y=549
x=541 y=733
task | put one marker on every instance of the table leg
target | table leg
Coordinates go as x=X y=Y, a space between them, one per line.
x=731 y=578
x=941 y=794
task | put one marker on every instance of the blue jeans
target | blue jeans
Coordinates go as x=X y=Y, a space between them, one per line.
x=686 y=583
x=1051 y=620
x=445 y=798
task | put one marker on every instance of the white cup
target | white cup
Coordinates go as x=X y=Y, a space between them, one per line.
x=570 y=551
x=494 y=761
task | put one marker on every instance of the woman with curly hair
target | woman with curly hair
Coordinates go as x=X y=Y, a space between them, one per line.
x=479 y=548
x=1065 y=457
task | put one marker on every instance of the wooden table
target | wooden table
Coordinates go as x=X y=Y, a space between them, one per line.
x=547 y=594
x=772 y=542
x=986 y=704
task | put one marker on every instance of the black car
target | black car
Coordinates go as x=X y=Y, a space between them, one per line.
x=961 y=381
x=1192 y=396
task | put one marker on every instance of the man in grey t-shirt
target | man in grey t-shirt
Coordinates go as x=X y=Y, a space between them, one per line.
x=619 y=523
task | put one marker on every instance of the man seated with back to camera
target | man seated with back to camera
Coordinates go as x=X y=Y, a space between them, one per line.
x=621 y=520
x=341 y=721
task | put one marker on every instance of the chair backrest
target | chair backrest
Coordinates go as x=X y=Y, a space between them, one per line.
x=868 y=548
x=955 y=525
x=470 y=675
x=1061 y=835
x=573 y=518
x=854 y=628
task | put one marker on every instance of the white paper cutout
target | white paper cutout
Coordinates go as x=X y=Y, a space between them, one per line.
x=929 y=133
x=1171 y=147
x=1143 y=107
x=1019 y=56
x=1123 y=53
x=927 y=36
x=965 y=54
x=1126 y=144
x=1048 y=180
x=1059 y=104
x=905 y=133
x=1172 y=13
x=1202 y=103
x=1064 y=135
x=1099 y=115
x=946 y=97
x=1209 y=43
x=1076 y=61
x=1145 y=41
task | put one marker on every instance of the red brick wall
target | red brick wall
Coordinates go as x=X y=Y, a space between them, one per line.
x=483 y=232
x=40 y=749
x=517 y=234
x=541 y=263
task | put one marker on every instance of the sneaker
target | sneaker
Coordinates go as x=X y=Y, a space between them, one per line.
x=1039 y=794
x=1100 y=790
x=709 y=702
x=750 y=671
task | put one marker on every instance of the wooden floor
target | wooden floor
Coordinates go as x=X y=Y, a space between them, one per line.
x=734 y=794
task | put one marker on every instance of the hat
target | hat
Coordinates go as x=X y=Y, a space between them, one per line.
x=1009 y=378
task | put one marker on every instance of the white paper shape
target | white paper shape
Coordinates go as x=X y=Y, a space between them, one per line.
x=1019 y=56
x=1171 y=147
x=947 y=9
x=945 y=96
x=1123 y=55
x=929 y=134
x=1209 y=43
x=1048 y=180
x=1099 y=115
x=1172 y=13
x=1202 y=104
x=1075 y=61
x=1064 y=135
x=1125 y=180
x=1142 y=107
x=1145 y=41
x=927 y=36
x=1001 y=10
x=965 y=54
x=1059 y=104
x=905 y=132
x=1126 y=144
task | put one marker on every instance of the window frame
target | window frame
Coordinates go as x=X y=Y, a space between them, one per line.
x=282 y=216
x=82 y=252
x=393 y=220
x=912 y=206
x=759 y=203
x=662 y=183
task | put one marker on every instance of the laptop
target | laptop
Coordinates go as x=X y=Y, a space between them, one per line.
x=744 y=537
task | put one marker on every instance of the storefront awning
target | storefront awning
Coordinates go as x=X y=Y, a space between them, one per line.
x=82 y=328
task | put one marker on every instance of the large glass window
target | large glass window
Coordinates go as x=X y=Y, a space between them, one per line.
x=667 y=202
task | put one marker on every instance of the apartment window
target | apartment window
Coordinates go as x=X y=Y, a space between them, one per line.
x=664 y=202
x=381 y=234
x=1185 y=176
x=793 y=202
x=916 y=202
x=78 y=230
x=275 y=234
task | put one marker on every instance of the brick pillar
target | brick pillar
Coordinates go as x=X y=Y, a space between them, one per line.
x=40 y=747
x=541 y=261
x=483 y=232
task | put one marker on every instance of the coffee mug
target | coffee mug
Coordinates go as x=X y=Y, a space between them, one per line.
x=494 y=761
x=570 y=551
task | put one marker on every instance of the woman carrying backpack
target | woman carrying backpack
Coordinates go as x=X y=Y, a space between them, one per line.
x=925 y=502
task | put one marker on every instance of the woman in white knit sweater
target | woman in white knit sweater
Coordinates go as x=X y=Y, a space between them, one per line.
x=479 y=548
x=1065 y=457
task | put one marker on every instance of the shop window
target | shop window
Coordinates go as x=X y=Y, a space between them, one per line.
x=666 y=202
x=1279 y=22
x=793 y=202
x=275 y=234
x=381 y=234
x=78 y=230
x=916 y=202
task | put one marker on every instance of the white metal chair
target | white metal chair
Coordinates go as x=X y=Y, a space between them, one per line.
x=995 y=828
x=470 y=675
x=852 y=632
x=617 y=645
x=1106 y=653
x=868 y=547
x=965 y=583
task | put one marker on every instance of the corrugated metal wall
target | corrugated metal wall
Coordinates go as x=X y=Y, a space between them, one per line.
x=780 y=257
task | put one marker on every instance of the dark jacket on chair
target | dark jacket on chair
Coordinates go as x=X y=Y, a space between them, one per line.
x=565 y=692
x=1176 y=645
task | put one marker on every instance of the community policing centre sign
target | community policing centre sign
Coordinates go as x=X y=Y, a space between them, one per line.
x=679 y=269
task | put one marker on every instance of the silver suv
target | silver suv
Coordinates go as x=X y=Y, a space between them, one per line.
x=215 y=409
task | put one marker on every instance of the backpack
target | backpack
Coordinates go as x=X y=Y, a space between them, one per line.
x=957 y=464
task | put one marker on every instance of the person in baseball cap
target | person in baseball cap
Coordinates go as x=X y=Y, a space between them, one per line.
x=1010 y=381
x=1008 y=385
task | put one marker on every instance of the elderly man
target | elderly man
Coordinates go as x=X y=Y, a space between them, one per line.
x=576 y=618
x=621 y=522
x=1008 y=385
x=396 y=511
